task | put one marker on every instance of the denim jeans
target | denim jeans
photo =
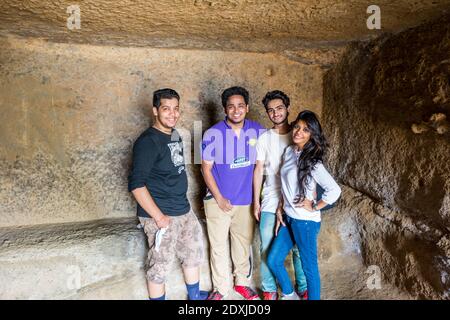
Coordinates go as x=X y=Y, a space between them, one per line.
x=267 y=233
x=303 y=233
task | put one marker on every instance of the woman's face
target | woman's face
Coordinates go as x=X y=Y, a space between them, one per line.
x=300 y=134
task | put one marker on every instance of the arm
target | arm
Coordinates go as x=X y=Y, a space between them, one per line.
x=332 y=191
x=224 y=204
x=318 y=206
x=145 y=152
x=319 y=193
x=145 y=200
x=257 y=183
x=279 y=214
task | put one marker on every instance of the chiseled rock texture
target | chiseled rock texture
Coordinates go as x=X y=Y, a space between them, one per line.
x=101 y=259
x=345 y=272
x=246 y=25
x=312 y=32
x=70 y=114
x=73 y=260
x=72 y=102
x=104 y=259
x=371 y=99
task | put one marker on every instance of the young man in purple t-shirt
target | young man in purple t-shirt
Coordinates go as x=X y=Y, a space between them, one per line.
x=228 y=159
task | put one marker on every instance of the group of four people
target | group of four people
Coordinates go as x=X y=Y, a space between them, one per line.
x=277 y=173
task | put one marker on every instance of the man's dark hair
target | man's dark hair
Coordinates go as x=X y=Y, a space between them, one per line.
x=166 y=93
x=276 y=94
x=234 y=91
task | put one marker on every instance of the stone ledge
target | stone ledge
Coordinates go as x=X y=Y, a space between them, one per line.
x=93 y=260
x=106 y=258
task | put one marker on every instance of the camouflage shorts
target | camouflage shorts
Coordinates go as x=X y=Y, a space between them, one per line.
x=183 y=239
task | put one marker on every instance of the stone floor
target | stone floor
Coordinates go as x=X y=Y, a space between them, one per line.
x=343 y=277
x=347 y=279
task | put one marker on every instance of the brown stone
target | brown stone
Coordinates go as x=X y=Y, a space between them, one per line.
x=369 y=105
x=72 y=102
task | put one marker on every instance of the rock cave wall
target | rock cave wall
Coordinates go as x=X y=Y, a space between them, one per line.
x=70 y=114
x=384 y=112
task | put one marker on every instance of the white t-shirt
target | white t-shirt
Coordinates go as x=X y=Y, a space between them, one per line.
x=270 y=148
x=289 y=186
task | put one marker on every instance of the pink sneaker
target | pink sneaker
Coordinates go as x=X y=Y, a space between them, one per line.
x=303 y=295
x=247 y=292
x=215 y=295
x=270 y=295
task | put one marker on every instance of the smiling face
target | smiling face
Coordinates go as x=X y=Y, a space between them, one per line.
x=236 y=109
x=300 y=134
x=277 y=111
x=167 y=115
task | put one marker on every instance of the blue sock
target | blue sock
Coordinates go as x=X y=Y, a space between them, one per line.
x=163 y=297
x=194 y=292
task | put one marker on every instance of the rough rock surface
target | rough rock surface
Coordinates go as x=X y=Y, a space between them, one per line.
x=104 y=260
x=371 y=99
x=70 y=111
x=245 y=25
x=70 y=114
x=101 y=259
x=325 y=56
x=65 y=261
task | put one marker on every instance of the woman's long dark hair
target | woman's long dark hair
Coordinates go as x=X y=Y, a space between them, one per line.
x=312 y=153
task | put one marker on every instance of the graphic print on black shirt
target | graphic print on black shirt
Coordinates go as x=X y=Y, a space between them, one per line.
x=176 y=151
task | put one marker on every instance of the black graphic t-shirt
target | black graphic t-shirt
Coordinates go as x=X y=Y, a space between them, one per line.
x=158 y=164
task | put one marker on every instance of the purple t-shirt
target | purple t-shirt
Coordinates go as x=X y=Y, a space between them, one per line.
x=234 y=159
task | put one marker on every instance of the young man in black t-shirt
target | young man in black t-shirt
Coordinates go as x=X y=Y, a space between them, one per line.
x=158 y=182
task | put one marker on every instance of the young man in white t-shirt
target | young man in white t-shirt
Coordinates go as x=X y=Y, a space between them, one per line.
x=269 y=149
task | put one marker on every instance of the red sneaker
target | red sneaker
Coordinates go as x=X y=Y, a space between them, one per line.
x=215 y=295
x=303 y=295
x=247 y=292
x=270 y=295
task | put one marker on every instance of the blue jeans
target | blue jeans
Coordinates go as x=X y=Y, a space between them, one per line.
x=267 y=233
x=303 y=233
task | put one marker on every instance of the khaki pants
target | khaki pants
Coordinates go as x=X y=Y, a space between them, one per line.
x=239 y=224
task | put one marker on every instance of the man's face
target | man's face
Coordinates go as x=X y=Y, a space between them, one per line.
x=277 y=111
x=168 y=113
x=236 y=109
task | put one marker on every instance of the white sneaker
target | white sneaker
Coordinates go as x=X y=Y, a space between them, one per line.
x=292 y=296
